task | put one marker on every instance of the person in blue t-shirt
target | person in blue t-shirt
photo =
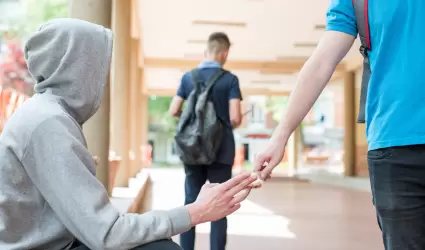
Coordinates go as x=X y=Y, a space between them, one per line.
x=395 y=110
x=226 y=96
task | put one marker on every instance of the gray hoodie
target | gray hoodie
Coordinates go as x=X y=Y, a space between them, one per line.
x=48 y=190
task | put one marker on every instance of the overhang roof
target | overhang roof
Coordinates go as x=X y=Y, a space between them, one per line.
x=271 y=39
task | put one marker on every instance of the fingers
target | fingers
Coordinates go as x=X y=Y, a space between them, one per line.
x=242 y=185
x=259 y=182
x=268 y=169
x=259 y=162
x=235 y=181
x=241 y=196
x=234 y=209
x=256 y=184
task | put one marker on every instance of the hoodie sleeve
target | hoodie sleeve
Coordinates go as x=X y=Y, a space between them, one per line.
x=59 y=165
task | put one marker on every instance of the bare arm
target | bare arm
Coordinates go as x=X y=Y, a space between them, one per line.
x=235 y=98
x=183 y=91
x=312 y=79
x=176 y=106
x=235 y=112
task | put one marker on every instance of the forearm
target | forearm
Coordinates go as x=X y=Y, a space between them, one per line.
x=131 y=230
x=176 y=114
x=311 y=81
x=234 y=124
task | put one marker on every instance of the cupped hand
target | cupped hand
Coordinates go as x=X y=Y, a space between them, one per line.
x=269 y=158
x=216 y=201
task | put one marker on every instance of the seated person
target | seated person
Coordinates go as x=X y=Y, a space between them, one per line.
x=50 y=198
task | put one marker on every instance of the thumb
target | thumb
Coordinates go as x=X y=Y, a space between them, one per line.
x=259 y=161
x=269 y=168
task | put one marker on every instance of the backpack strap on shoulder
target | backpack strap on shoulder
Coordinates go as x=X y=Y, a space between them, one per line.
x=195 y=79
x=361 y=10
x=213 y=79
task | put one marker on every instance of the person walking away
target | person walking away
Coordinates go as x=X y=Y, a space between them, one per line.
x=205 y=136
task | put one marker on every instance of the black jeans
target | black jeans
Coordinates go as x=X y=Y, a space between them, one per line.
x=196 y=176
x=157 y=245
x=397 y=177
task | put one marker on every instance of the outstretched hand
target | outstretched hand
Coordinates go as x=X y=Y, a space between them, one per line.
x=269 y=158
x=216 y=201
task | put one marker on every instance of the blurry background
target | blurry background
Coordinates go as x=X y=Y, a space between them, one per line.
x=155 y=43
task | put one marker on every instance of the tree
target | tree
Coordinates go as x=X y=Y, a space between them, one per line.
x=276 y=105
x=36 y=13
x=158 y=113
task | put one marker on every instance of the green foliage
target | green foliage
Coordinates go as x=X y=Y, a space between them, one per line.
x=36 y=13
x=276 y=105
x=158 y=113
x=40 y=11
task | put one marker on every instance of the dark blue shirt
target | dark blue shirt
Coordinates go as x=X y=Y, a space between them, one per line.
x=225 y=89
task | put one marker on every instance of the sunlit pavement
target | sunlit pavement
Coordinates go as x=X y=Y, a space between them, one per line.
x=284 y=215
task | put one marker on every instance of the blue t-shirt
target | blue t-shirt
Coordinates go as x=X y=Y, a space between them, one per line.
x=395 y=108
x=225 y=89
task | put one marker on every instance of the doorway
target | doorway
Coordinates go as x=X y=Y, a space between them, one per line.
x=246 y=151
x=151 y=142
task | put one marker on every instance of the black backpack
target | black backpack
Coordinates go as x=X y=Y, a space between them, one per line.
x=361 y=8
x=200 y=131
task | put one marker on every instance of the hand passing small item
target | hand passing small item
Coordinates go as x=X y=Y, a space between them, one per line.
x=259 y=182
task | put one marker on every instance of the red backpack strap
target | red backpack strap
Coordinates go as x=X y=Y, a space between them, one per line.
x=361 y=10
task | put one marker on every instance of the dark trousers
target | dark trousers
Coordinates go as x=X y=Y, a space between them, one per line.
x=196 y=177
x=157 y=245
x=397 y=177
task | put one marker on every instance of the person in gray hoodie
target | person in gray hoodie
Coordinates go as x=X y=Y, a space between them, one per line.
x=50 y=198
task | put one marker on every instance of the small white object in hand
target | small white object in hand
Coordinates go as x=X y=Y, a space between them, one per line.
x=257 y=183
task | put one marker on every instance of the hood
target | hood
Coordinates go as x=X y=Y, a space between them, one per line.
x=70 y=59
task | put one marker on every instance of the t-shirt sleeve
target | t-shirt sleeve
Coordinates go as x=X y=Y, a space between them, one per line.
x=341 y=17
x=182 y=91
x=235 y=91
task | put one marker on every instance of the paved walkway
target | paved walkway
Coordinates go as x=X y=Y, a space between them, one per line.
x=286 y=215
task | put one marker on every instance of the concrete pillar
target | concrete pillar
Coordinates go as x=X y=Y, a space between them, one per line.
x=96 y=129
x=294 y=148
x=350 y=116
x=135 y=115
x=120 y=86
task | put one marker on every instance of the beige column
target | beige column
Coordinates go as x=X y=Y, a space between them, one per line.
x=294 y=148
x=96 y=129
x=135 y=116
x=120 y=87
x=361 y=168
x=350 y=117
